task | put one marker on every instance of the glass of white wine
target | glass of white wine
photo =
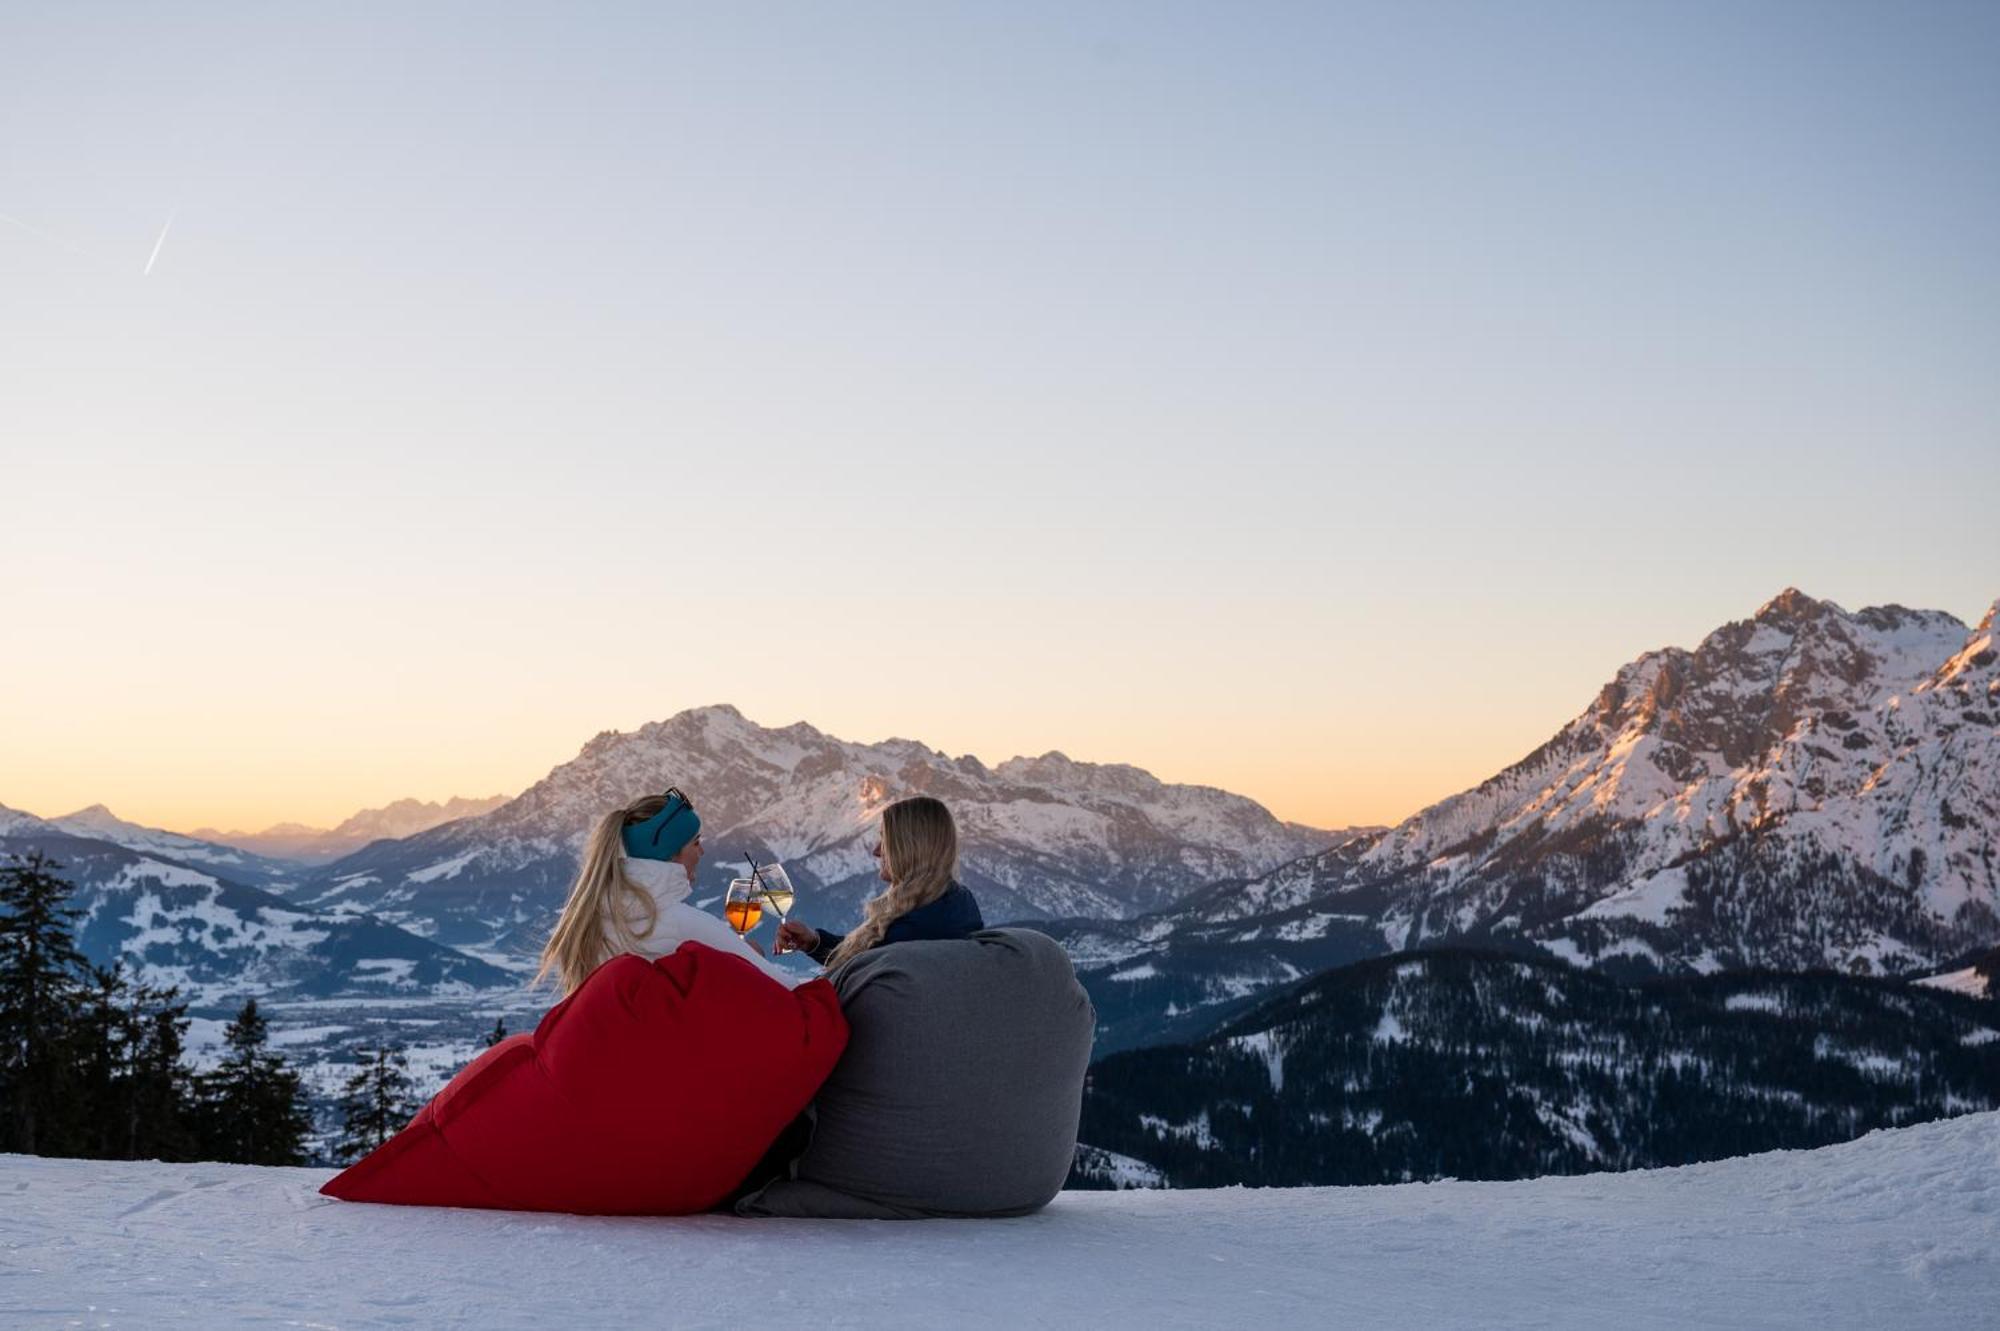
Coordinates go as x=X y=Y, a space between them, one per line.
x=777 y=890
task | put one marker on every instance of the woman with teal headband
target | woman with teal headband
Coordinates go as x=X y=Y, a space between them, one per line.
x=631 y=894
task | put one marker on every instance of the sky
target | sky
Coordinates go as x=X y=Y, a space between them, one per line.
x=1318 y=401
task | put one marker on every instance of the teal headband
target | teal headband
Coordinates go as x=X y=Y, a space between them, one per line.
x=666 y=833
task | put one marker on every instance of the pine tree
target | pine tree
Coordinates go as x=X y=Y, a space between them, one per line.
x=160 y=1104
x=377 y=1102
x=253 y=1108
x=41 y=974
x=100 y=1047
x=498 y=1033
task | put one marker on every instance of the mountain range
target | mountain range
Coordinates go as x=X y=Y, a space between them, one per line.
x=438 y=907
x=317 y=845
x=237 y=863
x=1040 y=837
x=176 y=921
x=1807 y=788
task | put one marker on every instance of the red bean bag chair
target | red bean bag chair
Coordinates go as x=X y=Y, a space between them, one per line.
x=651 y=1090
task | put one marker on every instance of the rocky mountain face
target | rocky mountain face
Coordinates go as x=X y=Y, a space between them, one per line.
x=1469 y=1065
x=1807 y=788
x=1040 y=837
x=319 y=845
x=175 y=922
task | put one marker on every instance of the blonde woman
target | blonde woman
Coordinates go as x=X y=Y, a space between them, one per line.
x=918 y=852
x=631 y=894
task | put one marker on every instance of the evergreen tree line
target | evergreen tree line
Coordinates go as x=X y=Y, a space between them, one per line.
x=1480 y=1065
x=93 y=1062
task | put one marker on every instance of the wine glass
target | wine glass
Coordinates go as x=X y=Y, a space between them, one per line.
x=777 y=889
x=744 y=906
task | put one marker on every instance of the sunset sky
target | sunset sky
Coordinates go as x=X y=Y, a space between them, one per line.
x=1317 y=401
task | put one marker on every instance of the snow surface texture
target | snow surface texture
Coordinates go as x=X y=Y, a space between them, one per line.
x=1898 y=1229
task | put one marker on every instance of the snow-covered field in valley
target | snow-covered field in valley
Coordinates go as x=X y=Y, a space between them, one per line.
x=1900 y=1229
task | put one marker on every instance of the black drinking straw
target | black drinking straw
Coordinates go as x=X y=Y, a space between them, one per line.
x=757 y=883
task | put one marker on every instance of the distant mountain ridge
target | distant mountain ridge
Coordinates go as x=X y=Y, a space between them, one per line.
x=317 y=845
x=245 y=866
x=1040 y=836
x=179 y=922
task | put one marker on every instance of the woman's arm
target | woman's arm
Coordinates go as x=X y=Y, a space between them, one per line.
x=799 y=936
x=702 y=927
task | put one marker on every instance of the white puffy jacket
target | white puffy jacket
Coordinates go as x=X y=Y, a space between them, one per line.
x=679 y=922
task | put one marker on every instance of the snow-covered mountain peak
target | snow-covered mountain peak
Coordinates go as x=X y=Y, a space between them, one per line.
x=713 y=720
x=1059 y=771
x=1747 y=684
x=96 y=822
x=1041 y=837
x=713 y=723
x=95 y=818
x=1055 y=760
x=15 y=820
x=1975 y=669
x=1807 y=787
x=316 y=845
x=717 y=728
x=406 y=817
x=1792 y=607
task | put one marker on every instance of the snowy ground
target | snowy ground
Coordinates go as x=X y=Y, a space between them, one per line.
x=1900 y=1229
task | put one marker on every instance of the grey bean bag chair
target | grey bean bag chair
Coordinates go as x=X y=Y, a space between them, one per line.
x=959 y=1091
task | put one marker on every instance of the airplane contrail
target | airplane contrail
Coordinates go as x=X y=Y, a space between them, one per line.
x=40 y=234
x=155 y=256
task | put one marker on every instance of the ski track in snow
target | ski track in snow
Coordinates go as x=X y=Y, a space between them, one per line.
x=1899 y=1229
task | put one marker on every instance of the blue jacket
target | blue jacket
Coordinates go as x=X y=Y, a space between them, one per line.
x=953 y=915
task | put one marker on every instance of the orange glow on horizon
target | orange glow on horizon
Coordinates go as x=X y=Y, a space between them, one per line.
x=246 y=787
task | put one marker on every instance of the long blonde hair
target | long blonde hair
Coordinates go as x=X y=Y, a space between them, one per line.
x=919 y=856
x=578 y=944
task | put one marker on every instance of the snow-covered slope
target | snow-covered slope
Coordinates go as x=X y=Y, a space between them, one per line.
x=1897 y=1229
x=1975 y=978
x=15 y=820
x=1041 y=836
x=180 y=924
x=100 y=824
x=1808 y=787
